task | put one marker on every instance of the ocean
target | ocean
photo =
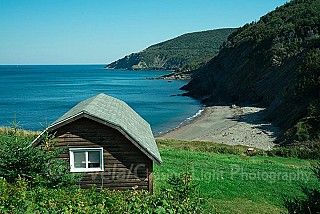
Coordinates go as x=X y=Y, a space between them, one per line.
x=37 y=95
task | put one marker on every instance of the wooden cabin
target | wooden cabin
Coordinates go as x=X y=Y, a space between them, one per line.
x=108 y=142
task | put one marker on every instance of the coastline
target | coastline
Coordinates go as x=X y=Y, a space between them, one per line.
x=186 y=121
x=227 y=125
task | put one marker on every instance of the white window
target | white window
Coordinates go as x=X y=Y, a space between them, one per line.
x=86 y=159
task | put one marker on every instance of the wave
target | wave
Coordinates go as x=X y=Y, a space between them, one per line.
x=198 y=114
x=186 y=121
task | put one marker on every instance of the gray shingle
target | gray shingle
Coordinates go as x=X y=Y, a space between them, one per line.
x=117 y=112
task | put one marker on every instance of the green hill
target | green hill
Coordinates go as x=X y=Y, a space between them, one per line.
x=274 y=62
x=195 y=177
x=186 y=52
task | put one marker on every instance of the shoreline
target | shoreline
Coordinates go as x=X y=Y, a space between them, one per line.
x=185 y=122
x=227 y=125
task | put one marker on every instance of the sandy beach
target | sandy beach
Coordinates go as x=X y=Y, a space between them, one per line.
x=231 y=125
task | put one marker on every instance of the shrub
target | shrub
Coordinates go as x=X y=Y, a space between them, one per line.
x=306 y=150
x=19 y=197
x=302 y=131
x=309 y=205
x=36 y=165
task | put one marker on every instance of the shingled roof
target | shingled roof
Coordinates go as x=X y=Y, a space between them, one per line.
x=109 y=110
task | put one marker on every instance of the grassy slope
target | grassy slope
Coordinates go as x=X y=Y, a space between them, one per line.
x=229 y=183
x=236 y=183
x=185 y=51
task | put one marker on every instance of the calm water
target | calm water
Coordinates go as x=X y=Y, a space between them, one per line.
x=41 y=94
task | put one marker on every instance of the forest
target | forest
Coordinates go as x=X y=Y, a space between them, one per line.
x=185 y=52
x=274 y=62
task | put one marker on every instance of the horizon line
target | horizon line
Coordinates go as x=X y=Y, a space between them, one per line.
x=54 y=64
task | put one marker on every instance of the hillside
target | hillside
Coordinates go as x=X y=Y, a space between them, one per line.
x=186 y=52
x=275 y=63
x=195 y=177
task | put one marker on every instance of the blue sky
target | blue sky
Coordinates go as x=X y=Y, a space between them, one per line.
x=101 y=31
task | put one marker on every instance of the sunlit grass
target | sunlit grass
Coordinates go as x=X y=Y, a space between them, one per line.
x=236 y=183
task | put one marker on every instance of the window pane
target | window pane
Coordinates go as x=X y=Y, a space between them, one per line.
x=79 y=159
x=94 y=159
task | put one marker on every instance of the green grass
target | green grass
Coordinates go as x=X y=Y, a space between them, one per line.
x=202 y=146
x=229 y=180
x=235 y=183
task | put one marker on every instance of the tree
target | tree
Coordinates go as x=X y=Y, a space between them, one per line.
x=37 y=165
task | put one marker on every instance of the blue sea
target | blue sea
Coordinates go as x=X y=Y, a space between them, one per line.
x=37 y=95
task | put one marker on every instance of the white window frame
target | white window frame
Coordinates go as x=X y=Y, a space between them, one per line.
x=87 y=169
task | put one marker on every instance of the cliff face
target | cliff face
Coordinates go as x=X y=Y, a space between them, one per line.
x=184 y=52
x=234 y=76
x=274 y=62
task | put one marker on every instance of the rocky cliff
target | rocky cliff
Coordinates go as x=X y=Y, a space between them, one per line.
x=274 y=62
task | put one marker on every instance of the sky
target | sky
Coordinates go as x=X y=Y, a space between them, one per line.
x=101 y=31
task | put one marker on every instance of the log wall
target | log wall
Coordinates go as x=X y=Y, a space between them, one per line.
x=125 y=166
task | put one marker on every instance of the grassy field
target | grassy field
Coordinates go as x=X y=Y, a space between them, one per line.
x=229 y=180
x=235 y=183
